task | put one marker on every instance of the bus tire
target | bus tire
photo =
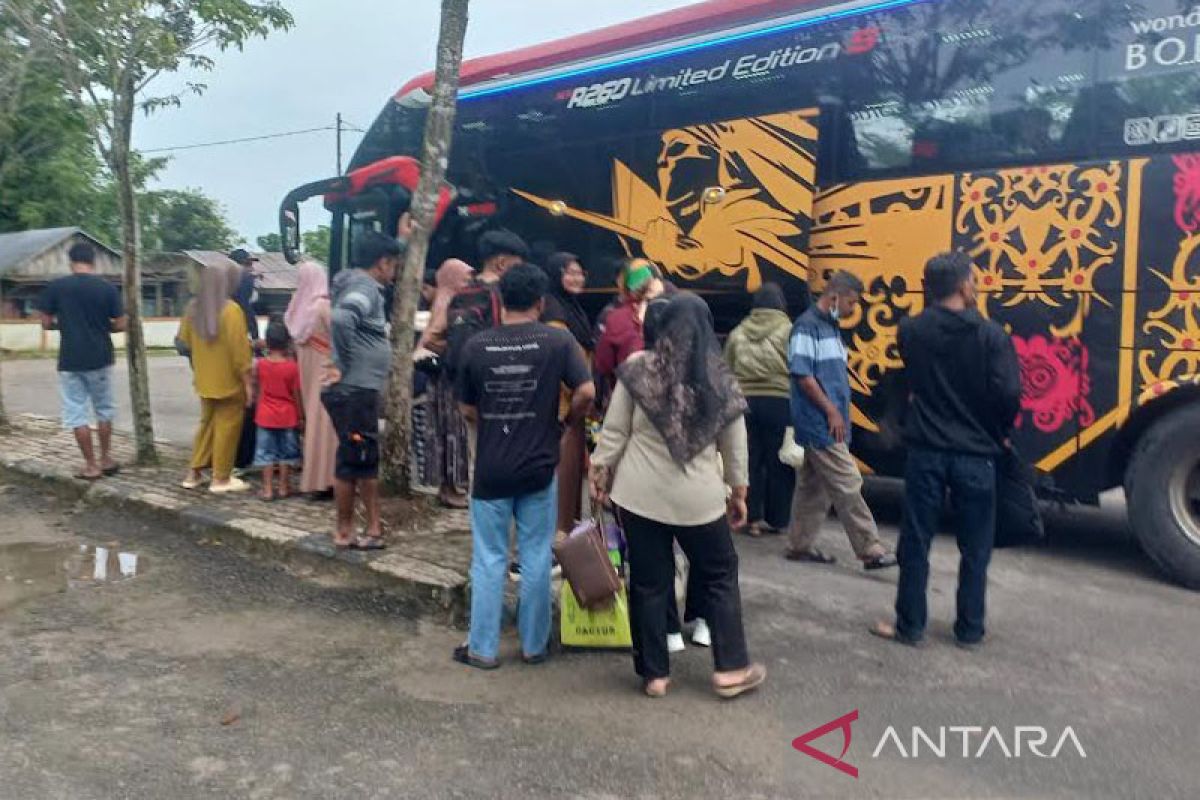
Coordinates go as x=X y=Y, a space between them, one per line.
x=1162 y=490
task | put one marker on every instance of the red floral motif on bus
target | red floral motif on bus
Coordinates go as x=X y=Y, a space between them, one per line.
x=1054 y=375
x=1187 y=193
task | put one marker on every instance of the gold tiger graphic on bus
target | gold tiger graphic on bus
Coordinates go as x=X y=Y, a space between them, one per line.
x=732 y=197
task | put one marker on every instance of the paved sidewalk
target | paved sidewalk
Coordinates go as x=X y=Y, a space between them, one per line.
x=426 y=562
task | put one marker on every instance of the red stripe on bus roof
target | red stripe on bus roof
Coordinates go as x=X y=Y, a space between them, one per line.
x=713 y=15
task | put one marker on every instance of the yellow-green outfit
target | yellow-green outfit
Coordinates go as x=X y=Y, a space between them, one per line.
x=218 y=368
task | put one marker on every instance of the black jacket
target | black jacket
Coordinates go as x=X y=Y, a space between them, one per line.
x=965 y=382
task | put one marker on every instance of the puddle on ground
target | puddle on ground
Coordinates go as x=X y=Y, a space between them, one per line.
x=30 y=569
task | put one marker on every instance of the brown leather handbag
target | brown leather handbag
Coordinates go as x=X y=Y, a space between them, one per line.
x=587 y=567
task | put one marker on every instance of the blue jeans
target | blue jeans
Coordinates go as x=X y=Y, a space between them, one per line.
x=971 y=482
x=536 y=515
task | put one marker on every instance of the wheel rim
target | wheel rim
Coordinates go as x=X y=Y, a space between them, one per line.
x=1184 y=491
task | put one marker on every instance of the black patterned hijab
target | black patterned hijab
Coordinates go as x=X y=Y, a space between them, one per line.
x=682 y=383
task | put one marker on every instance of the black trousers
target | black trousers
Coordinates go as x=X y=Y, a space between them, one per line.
x=771 y=481
x=714 y=563
x=692 y=609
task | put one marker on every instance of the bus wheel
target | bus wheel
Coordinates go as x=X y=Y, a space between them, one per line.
x=1162 y=488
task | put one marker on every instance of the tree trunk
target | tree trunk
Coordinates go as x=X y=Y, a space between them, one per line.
x=135 y=341
x=439 y=131
x=3 y=412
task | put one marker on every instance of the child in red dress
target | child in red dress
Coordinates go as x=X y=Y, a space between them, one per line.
x=280 y=412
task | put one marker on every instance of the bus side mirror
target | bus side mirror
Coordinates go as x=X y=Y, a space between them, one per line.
x=289 y=231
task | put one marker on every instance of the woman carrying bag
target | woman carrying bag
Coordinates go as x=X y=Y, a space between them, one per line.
x=563 y=310
x=675 y=414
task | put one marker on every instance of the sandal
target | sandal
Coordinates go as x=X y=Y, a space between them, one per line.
x=83 y=476
x=658 y=691
x=886 y=630
x=343 y=545
x=810 y=556
x=109 y=472
x=463 y=655
x=881 y=561
x=753 y=530
x=368 y=543
x=753 y=679
x=192 y=483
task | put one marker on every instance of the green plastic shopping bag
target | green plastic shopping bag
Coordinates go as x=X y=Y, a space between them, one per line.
x=605 y=628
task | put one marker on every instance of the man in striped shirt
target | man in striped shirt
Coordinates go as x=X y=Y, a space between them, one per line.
x=820 y=415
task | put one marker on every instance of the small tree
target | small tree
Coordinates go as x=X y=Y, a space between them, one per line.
x=439 y=131
x=110 y=52
x=270 y=243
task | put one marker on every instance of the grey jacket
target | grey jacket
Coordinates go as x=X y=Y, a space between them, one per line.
x=361 y=350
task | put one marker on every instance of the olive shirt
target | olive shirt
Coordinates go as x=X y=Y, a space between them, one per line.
x=647 y=480
x=219 y=366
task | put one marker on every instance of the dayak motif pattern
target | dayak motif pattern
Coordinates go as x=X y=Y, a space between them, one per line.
x=1041 y=235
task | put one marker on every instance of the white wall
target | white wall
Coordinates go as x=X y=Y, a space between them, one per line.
x=29 y=336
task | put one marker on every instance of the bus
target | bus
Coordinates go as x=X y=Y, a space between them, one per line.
x=735 y=142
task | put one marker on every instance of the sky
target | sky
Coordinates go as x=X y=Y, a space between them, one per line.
x=345 y=56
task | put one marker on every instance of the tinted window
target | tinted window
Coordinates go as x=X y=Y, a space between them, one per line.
x=398 y=130
x=1148 y=93
x=960 y=85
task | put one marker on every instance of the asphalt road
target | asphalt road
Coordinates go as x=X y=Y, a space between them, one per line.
x=213 y=675
x=31 y=387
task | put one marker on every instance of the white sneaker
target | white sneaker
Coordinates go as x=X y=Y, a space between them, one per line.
x=675 y=643
x=701 y=635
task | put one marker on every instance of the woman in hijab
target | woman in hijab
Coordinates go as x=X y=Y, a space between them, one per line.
x=307 y=319
x=214 y=331
x=563 y=310
x=445 y=432
x=757 y=352
x=674 y=439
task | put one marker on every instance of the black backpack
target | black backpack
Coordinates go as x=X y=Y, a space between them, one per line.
x=472 y=310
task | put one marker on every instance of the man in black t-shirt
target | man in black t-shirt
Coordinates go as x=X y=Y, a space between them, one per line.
x=508 y=387
x=86 y=310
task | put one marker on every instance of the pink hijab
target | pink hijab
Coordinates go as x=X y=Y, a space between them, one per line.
x=452 y=276
x=304 y=311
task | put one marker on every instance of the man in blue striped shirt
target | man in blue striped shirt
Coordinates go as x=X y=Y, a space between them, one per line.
x=820 y=415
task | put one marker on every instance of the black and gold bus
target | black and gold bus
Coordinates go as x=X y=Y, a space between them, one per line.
x=741 y=141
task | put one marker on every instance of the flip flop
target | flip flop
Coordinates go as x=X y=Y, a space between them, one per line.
x=343 y=546
x=368 y=543
x=83 y=476
x=462 y=655
x=881 y=561
x=657 y=692
x=810 y=556
x=108 y=472
x=755 y=676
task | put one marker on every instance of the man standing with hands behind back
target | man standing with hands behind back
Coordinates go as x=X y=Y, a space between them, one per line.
x=86 y=309
x=818 y=363
x=966 y=394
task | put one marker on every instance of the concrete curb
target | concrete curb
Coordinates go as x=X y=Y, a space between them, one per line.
x=429 y=588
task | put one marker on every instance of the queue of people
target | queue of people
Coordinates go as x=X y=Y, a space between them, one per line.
x=689 y=448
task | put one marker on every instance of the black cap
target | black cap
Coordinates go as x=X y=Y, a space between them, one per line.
x=242 y=256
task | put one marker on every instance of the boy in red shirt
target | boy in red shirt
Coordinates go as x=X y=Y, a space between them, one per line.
x=279 y=413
